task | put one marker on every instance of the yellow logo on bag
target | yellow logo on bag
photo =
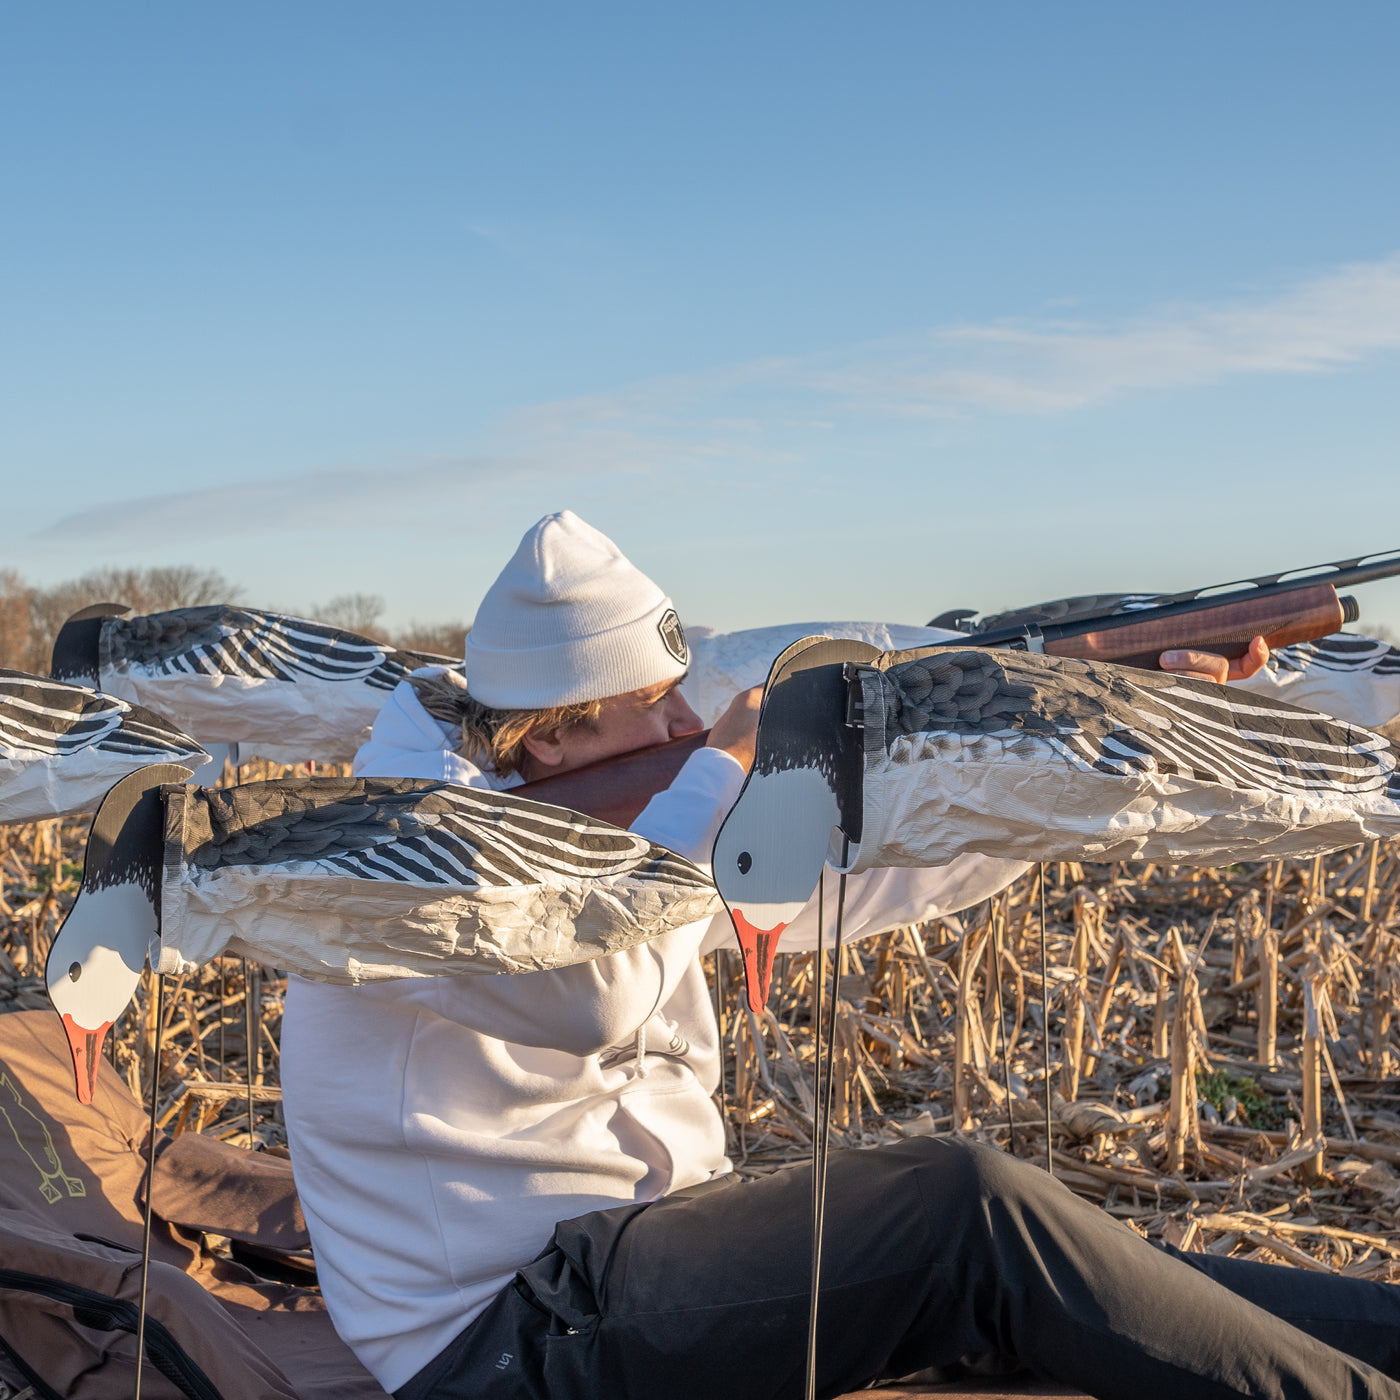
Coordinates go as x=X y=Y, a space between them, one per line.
x=54 y=1171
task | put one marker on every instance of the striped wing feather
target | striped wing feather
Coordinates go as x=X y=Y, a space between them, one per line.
x=1342 y=652
x=255 y=645
x=42 y=718
x=1243 y=740
x=415 y=830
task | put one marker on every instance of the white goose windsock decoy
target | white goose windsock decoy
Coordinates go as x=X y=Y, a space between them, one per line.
x=351 y=880
x=282 y=687
x=63 y=746
x=871 y=760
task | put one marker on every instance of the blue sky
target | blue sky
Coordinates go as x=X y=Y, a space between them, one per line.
x=821 y=311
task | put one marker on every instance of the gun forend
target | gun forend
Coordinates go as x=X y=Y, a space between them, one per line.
x=1299 y=615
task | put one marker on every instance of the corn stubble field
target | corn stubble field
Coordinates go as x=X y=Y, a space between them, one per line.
x=1222 y=1043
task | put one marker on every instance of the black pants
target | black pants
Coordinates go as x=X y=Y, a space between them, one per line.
x=935 y=1251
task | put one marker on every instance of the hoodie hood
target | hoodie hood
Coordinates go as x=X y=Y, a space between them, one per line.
x=407 y=742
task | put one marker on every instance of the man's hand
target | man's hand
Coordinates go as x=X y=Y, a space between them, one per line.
x=1206 y=666
x=737 y=728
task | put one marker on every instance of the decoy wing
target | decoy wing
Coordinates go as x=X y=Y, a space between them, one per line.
x=1044 y=758
x=353 y=880
x=1062 y=610
x=285 y=686
x=62 y=746
x=1353 y=678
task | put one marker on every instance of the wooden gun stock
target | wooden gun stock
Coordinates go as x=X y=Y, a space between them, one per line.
x=615 y=789
x=1302 y=615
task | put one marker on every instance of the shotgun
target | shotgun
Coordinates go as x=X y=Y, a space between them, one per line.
x=1297 y=605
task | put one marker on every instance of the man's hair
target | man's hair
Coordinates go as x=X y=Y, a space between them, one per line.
x=495 y=738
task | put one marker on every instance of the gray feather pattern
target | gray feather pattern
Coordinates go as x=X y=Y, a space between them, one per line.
x=247 y=642
x=420 y=830
x=1115 y=718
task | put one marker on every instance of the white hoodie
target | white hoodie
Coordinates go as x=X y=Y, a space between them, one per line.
x=441 y=1127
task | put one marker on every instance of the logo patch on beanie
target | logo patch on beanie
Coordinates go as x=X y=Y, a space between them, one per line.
x=673 y=636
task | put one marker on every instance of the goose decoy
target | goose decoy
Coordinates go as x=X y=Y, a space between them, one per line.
x=285 y=687
x=350 y=880
x=913 y=758
x=62 y=746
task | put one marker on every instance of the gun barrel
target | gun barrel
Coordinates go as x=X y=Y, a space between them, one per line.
x=1364 y=569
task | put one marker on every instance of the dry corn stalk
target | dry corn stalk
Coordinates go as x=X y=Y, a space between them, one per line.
x=1181 y=1116
x=914 y=1018
x=1076 y=996
x=1266 y=997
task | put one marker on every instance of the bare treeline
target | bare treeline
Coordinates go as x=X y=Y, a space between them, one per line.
x=361 y=612
x=30 y=617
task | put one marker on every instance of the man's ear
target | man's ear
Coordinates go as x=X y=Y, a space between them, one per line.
x=545 y=746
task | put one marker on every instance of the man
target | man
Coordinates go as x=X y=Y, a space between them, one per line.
x=515 y=1186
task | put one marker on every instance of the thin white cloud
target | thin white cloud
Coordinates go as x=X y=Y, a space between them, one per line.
x=767 y=414
x=1032 y=366
x=337 y=499
x=1324 y=324
x=324 y=498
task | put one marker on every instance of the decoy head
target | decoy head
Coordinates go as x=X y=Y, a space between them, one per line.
x=801 y=797
x=93 y=968
x=767 y=860
x=96 y=958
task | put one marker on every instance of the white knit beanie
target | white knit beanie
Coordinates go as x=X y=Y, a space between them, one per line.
x=569 y=619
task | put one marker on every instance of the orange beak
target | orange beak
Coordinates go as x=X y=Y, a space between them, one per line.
x=758 y=945
x=87 y=1054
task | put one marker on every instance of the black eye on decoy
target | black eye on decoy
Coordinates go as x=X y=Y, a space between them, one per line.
x=745 y=862
x=75 y=972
